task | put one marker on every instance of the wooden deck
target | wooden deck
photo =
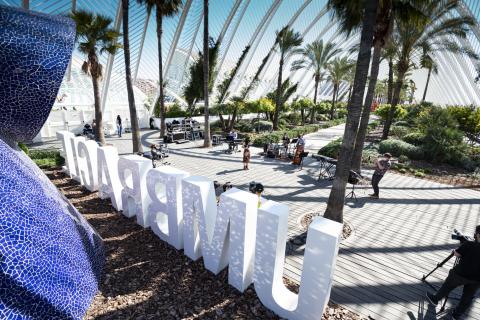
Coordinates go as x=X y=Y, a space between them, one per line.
x=396 y=239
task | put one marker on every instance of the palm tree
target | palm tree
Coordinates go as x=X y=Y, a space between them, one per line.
x=389 y=53
x=94 y=36
x=336 y=200
x=164 y=8
x=427 y=62
x=207 y=143
x=338 y=70
x=137 y=146
x=316 y=56
x=288 y=41
x=428 y=30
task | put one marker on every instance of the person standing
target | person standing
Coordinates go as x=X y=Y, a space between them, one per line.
x=381 y=167
x=466 y=273
x=119 y=126
x=246 y=157
x=297 y=159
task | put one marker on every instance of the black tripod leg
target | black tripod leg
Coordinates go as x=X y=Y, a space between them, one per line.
x=443 y=304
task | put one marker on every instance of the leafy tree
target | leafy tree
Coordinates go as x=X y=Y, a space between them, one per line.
x=95 y=36
x=288 y=41
x=137 y=145
x=302 y=105
x=338 y=70
x=286 y=91
x=163 y=9
x=426 y=31
x=316 y=56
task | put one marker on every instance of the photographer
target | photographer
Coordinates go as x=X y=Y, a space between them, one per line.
x=466 y=273
x=381 y=167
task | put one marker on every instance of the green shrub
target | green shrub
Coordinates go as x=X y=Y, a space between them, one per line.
x=402 y=170
x=293 y=118
x=264 y=126
x=23 y=147
x=244 y=126
x=419 y=174
x=332 y=149
x=373 y=125
x=175 y=111
x=267 y=138
x=416 y=138
x=403 y=158
x=46 y=158
x=383 y=110
x=399 y=147
x=369 y=155
x=399 y=131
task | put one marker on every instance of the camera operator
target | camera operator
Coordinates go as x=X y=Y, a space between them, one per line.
x=466 y=273
x=381 y=167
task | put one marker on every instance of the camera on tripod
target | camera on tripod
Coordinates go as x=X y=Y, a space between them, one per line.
x=457 y=235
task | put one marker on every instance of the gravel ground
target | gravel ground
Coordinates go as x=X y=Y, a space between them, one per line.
x=145 y=278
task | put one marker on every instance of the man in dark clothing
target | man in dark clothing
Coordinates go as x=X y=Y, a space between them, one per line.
x=381 y=167
x=466 y=273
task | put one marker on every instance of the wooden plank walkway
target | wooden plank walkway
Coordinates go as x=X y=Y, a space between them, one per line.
x=396 y=239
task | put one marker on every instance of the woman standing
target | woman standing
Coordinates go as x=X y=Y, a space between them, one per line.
x=297 y=159
x=246 y=157
x=119 y=126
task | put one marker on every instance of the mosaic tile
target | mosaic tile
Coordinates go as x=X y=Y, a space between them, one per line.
x=50 y=257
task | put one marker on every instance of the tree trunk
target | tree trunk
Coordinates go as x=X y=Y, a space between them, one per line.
x=302 y=113
x=395 y=99
x=222 y=122
x=349 y=94
x=312 y=119
x=232 y=121
x=336 y=199
x=390 y=81
x=137 y=146
x=362 y=129
x=279 y=101
x=207 y=143
x=160 y=71
x=332 y=108
x=98 y=112
x=426 y=84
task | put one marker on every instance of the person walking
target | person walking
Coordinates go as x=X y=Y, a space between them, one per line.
x=381 y=167
x=119 y=126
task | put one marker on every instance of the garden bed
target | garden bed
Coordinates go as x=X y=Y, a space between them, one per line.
x=145 y=278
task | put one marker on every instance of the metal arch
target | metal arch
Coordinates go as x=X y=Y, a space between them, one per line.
x=466 y=44
x=226 y=25
x=463 y=10
x=140 y=50
x=69 y=68
x=440 y=85
x=290 y=23
x=464 y=93
x=320 y=35
x=262 y=26
x=176 y=37
x=444 y=65
x=111 y=58
x=307 y=30
x=233 y=35
x=189 y=53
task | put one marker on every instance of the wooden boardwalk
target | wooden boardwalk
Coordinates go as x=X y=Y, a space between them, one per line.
x=396 y=239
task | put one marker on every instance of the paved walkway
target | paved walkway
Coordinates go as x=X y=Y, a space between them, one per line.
x=396 y=239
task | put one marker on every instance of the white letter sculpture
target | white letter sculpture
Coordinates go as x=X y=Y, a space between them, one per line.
x=65 y=137
x=222 y=237
x=318 y=264
x=109 y=185
x=165 y=212
x=87 y=164
x=74 y=147
x=134 y=193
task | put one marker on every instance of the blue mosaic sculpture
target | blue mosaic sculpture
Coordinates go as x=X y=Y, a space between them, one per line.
x=50 y=257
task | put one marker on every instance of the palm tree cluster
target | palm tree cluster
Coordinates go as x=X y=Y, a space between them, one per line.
x=399 y=31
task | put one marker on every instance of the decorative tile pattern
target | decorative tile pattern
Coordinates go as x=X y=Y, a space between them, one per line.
x=50 y=257
x=34 y=53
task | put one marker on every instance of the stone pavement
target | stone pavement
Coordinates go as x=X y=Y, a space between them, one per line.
x=395 y=240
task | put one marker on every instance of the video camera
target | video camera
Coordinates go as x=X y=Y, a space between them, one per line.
x=457 y=235
x=255 y=187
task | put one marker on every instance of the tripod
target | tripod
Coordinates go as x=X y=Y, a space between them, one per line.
x=424 y=278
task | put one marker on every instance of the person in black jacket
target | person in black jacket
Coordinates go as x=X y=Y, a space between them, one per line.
x=466 y=273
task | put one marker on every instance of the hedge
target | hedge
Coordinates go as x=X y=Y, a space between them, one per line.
x=415 y=138
x=398 y=148
x=332 y=149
